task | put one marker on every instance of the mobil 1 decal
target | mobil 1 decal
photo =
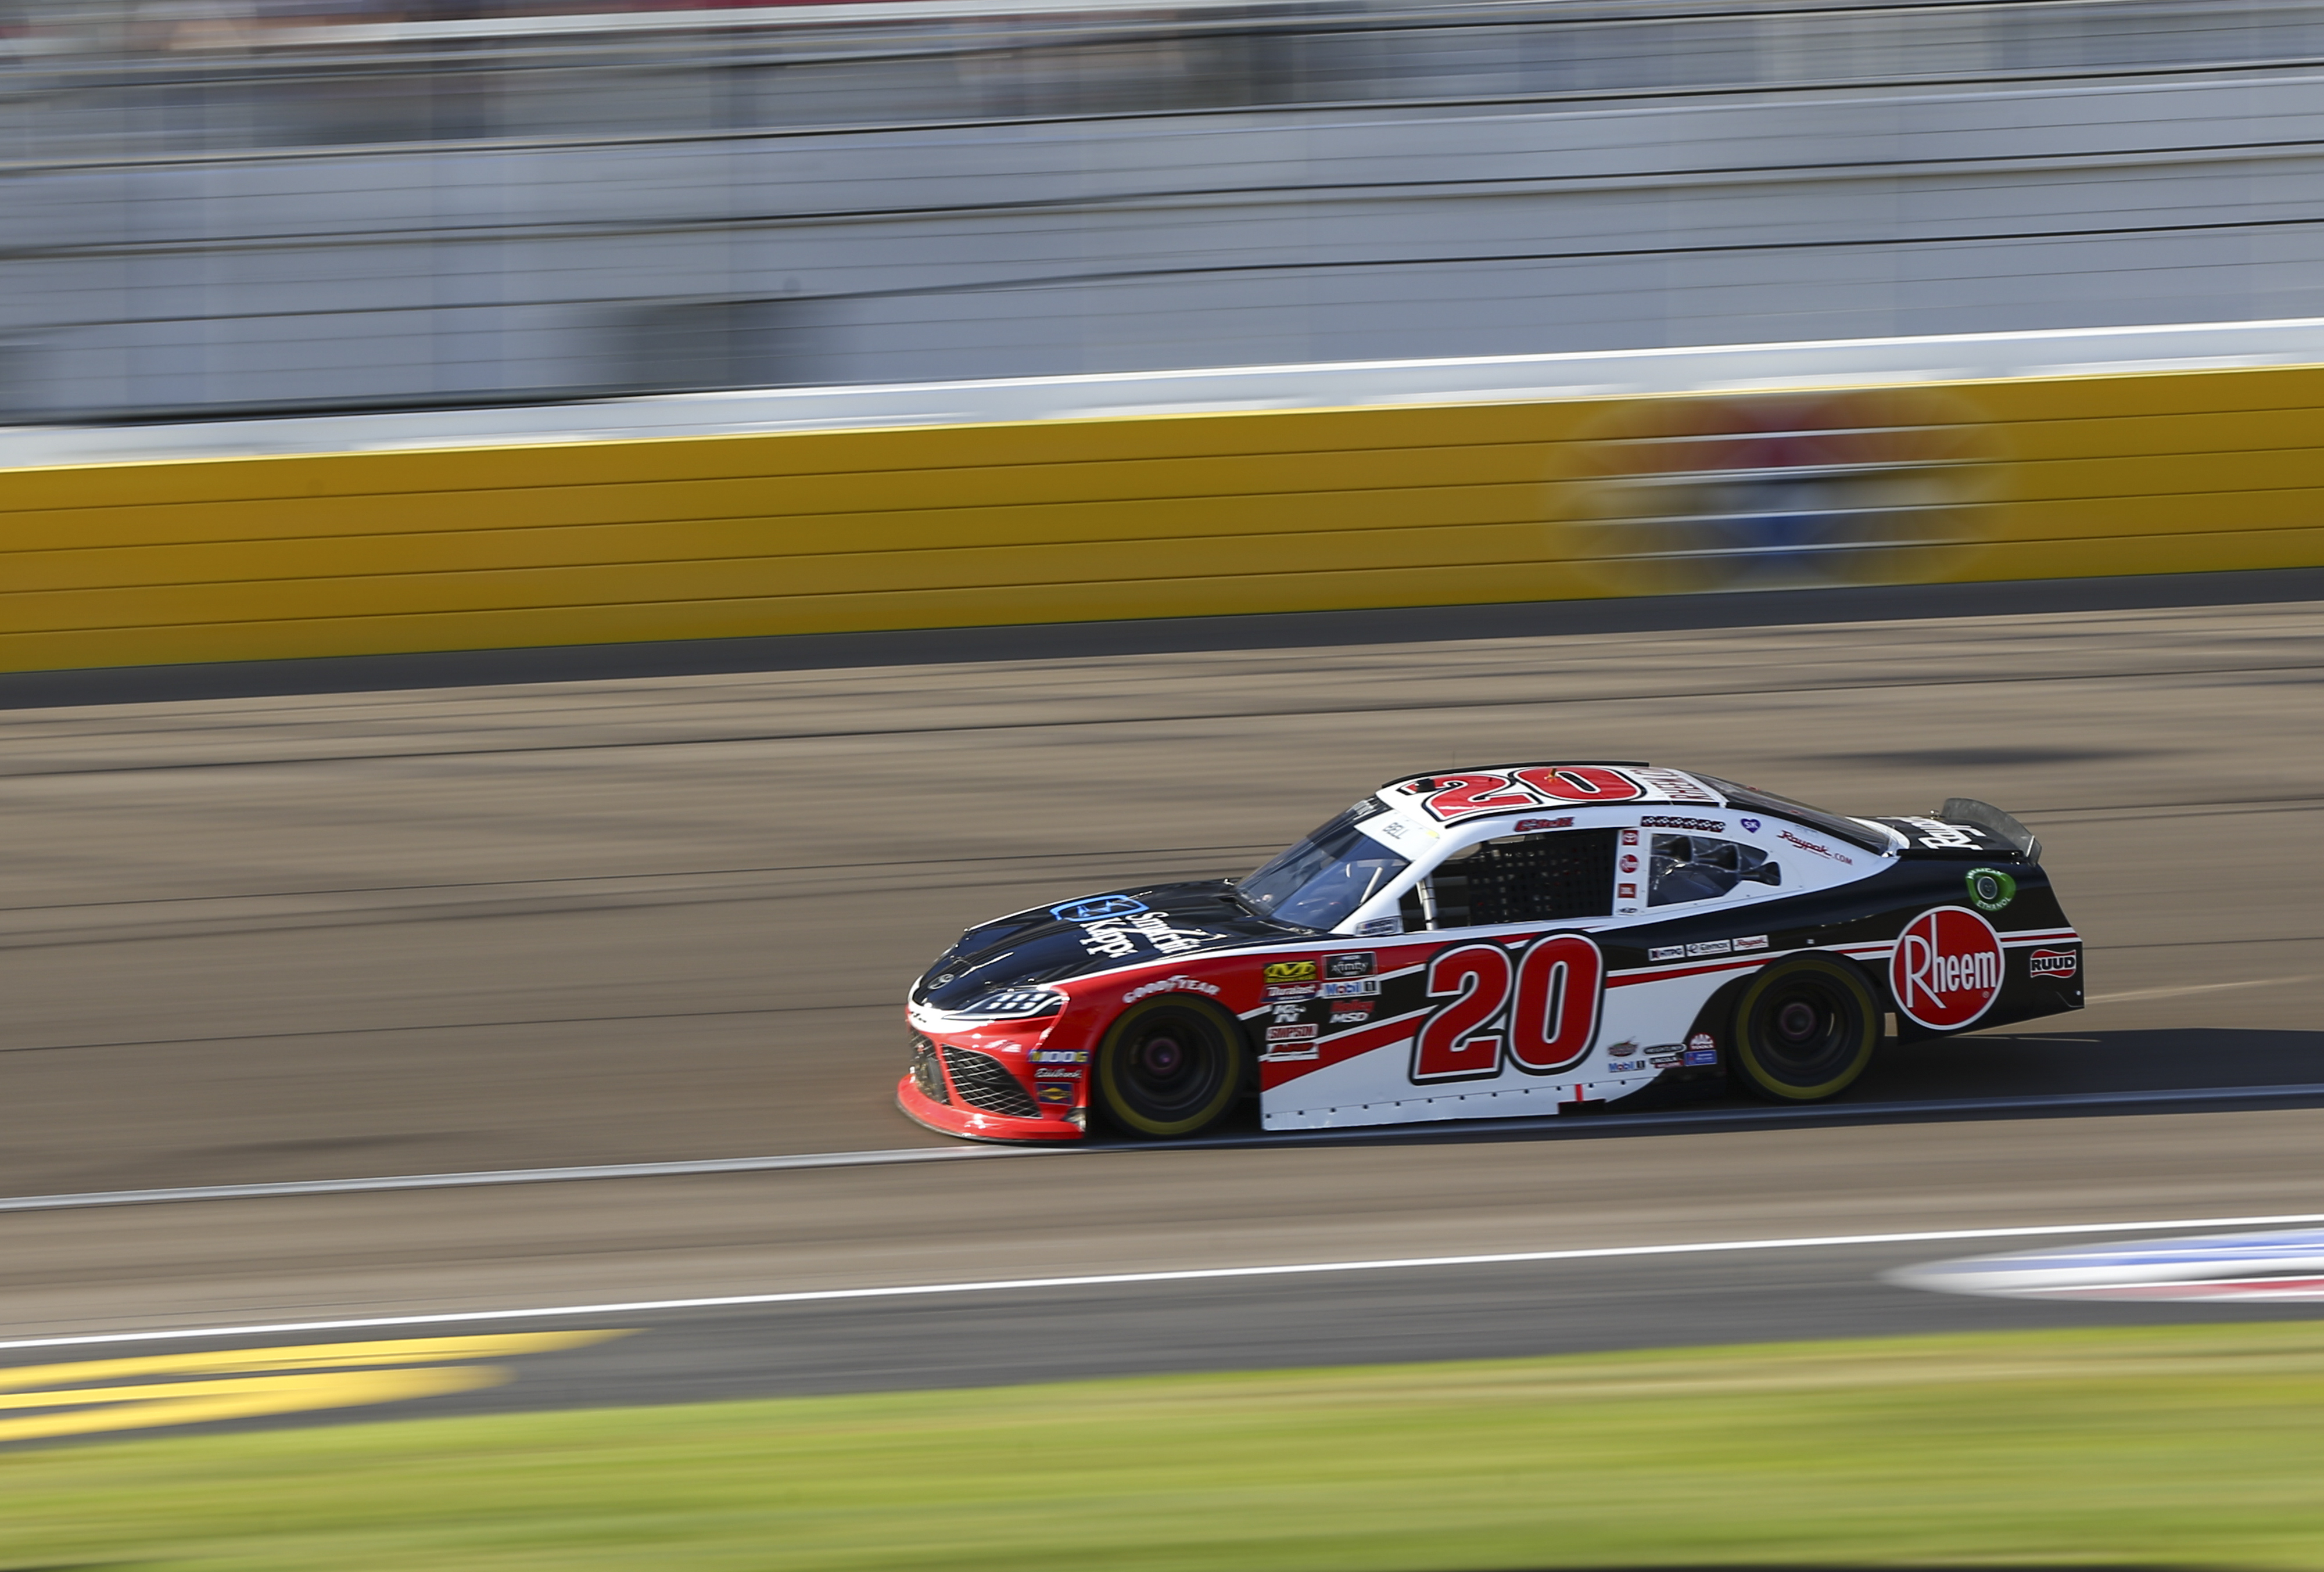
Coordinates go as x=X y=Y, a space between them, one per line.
x=1945 y=972
x=1536 y=1011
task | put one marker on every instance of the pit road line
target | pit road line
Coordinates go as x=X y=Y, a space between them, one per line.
x=1191 y=1274
x=2064 y=1102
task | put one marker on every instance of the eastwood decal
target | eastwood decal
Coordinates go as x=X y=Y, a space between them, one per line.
x=1169 y=985
x=2053 y=963
x=1946 y=970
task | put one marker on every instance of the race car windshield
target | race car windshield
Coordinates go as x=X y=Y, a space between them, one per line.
x=1322 y=879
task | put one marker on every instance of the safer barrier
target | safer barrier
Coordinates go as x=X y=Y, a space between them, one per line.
x=1162 y=516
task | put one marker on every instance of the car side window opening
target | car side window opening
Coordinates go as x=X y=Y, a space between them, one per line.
x=1317 y=883
x=1702 y=868
x=1551 y=877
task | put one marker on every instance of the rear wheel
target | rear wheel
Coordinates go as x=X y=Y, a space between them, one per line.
x=1805 y=1028
x=1170 y=1066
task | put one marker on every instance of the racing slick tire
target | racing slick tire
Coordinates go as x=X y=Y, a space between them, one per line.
x=1805 y=1029
x=1170 y=1067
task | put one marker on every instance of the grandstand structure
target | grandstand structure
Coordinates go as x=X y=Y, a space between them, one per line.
x=231 y=210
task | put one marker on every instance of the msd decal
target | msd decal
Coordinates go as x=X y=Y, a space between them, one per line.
x=1539 y=1010
x=1946 y=970
x=2053 y=963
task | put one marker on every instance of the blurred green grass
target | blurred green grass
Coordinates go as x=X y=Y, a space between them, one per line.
x=2187 y=1446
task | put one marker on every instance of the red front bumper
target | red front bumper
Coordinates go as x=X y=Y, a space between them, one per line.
x=975 y=1123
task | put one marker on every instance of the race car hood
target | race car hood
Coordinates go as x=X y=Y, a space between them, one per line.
x=1092 y=934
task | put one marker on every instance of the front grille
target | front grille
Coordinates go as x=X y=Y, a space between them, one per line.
x=983 y=1082
x=926 y=1076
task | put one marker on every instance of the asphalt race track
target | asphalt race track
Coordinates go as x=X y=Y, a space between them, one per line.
x=634 y=921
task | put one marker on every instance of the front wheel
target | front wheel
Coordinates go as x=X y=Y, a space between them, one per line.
x=1805 y=1028
x=1169 y=1067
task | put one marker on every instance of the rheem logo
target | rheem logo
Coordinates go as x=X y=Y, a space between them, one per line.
x=1946 y=970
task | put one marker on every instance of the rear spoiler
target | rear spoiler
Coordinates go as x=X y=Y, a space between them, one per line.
x=1993 y=822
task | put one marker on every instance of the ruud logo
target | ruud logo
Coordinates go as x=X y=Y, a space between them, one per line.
x=1946 y=970
x=2053 y=963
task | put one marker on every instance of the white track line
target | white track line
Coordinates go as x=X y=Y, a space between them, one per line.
x=130 y=1198
x=1196 y=1274
x=1443 y=1130
x=2171 y=993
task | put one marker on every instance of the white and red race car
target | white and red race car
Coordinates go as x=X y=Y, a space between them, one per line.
x=1488 y=942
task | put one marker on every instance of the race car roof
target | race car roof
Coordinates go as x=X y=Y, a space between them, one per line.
x=1552 y=782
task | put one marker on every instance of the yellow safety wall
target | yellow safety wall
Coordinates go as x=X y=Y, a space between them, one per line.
x=696 y=537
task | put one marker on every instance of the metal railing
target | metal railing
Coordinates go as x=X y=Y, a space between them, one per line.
x=123 y=80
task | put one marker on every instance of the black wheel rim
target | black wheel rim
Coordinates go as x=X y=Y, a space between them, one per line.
x=1806 y=1029
x=1173 y=1067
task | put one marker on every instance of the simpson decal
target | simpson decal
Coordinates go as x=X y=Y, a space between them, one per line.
x=1946 y=970
x=1299 y=1033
